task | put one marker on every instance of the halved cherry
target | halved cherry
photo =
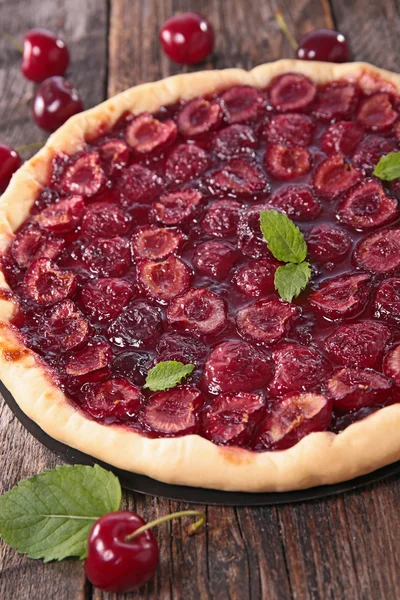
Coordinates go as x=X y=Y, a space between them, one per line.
x=327 y=243
x=359 y=344
x=222 y=218
x=183 y=348
x=298 y=368
x=114 y=155
x=291 y=92
x=146 y=134
x=352 y=389
x=336 y=101
x=368 y=152
x=334 y=176
x=132 y=365
x=164 y=280
x=387 y=300
x=241 y=103
x=199 y=310
x=156 y=243
x=266 y=321
x=107 y=257
x=44 y=283
x=62 y=217
x=104 y=299
x=66 y=326
x=176 y=207
x=174 y=411
x=256 y=278
x=138 y=184
x=199 y=116
x=240 y=177
x=343 y=296
x=215 y=259
x=391 y=365
x=342 y=137
x=32 y=243
x=251 y=241
x=292 y=418
x=290 y=129
x=366 y=206
x=95 y=357
x=233 y=140
x=296 y=201
x=83 y=175
x=236 y=367
x=379 y=252
x=376 y=112
x=103 y=219
x=287 y=162
x=232 y=418
x=138 y=324
x=186 y=162
x=116 y=398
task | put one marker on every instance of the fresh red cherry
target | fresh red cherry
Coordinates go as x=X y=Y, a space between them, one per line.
x=123 y=553
x=187 y=38
x=55 y=101
x=44 y=55
x=10 y=161
x=326 y=45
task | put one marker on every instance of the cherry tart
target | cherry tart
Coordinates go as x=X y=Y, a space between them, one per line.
x=133 y=238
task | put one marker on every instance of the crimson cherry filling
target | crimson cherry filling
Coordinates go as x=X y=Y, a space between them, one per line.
x=146 y=247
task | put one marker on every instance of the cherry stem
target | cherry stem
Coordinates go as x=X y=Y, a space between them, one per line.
x=32 y=146
x=284 y=28
x=13 y=42
x=176 y=515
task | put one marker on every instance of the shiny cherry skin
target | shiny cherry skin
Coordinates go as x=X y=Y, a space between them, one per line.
x=116 y=565
x=44 y=55
x=10 y=161
x=187 y=38
x=326 y=45
x=55 y=101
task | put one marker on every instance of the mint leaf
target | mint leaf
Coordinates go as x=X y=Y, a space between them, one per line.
x=167 y=374
x=50 y=515
x=284 y=238
x=291 y=279
x=388 y=167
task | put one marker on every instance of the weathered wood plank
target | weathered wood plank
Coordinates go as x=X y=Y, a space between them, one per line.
x=84 y=26
x=372 y=29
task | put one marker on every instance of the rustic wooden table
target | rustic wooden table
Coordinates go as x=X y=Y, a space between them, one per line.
x=344 y=547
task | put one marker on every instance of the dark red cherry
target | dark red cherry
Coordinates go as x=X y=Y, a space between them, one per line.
x=10 y=161
x=55 y=101
x=187 y=38
x=44 y=55
x=115 y=564
x=324 y=44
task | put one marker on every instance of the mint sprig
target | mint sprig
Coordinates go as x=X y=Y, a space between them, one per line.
x=388 y=167
x=291 y=279
x=287 y=244
x=284 y=238
x=167 y=374
x=50 y=515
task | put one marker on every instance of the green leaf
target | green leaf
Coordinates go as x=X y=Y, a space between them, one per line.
x=284 y=238
x=50 y=515
x=291 y=279
x=167 y=374
x=388 y=167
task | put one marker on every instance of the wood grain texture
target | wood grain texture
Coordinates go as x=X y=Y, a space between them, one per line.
x=84 y=26
x=343 y=547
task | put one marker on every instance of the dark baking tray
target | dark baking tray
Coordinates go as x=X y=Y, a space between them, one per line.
x=146 y=485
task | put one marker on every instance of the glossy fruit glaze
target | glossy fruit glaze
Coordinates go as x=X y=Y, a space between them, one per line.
x=146 y=247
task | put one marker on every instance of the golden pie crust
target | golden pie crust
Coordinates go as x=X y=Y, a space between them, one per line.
x=319 y=458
